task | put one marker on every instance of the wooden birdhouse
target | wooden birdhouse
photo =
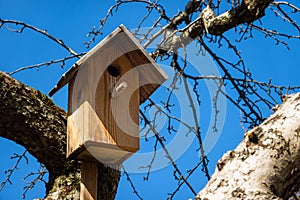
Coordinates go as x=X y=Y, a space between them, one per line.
x=106 y=87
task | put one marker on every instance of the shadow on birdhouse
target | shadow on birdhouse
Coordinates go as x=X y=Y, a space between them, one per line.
x=106 y=87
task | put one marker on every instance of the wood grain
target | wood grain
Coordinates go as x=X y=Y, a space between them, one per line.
x=88 y=185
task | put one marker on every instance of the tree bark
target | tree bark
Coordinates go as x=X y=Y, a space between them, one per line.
x=32 y=120
x=208 y=22
x=266 y=164
x=247 y=11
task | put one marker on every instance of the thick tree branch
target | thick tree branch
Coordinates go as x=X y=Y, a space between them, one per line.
x=27 y=113
x=265 y=165
x=248 y=11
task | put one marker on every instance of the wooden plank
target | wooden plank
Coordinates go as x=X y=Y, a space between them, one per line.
x=89 y=177
x=75 y=130
x=95 y=130
x=110 y=155
x=72 y=136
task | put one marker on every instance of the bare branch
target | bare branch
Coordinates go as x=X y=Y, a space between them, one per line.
x=132 y=184
x=272 y=33
x=149 y=5
x=278 y=3
x=43 y=32
x=190 y=172
x=167 y=152
x=286 y=15
x=39 y=177
x=14 y=168
x=47 y=64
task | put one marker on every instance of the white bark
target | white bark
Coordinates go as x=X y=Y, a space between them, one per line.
x=268 y=168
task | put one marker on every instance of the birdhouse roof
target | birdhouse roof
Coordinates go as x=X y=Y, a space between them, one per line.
x=133 y=50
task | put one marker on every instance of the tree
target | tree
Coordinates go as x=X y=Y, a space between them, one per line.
x=32 y=120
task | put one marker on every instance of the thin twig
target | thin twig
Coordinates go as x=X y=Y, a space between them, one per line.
x=43 y=32
x=47 y=64
x=132 y=184
x=167 y=153
x=14 y=168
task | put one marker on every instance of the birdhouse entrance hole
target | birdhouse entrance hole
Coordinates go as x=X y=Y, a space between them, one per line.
x=114 y=70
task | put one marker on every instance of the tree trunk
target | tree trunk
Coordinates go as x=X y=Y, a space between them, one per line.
x=266 y=164
x=32 y=120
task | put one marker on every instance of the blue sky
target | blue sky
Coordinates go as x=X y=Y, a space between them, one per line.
x=71 y=21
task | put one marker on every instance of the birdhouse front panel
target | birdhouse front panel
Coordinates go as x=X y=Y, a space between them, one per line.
x=104 y=97
x=119 y=108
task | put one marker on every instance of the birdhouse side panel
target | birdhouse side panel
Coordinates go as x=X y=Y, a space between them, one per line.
x=95 y=130
x=75 y=130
